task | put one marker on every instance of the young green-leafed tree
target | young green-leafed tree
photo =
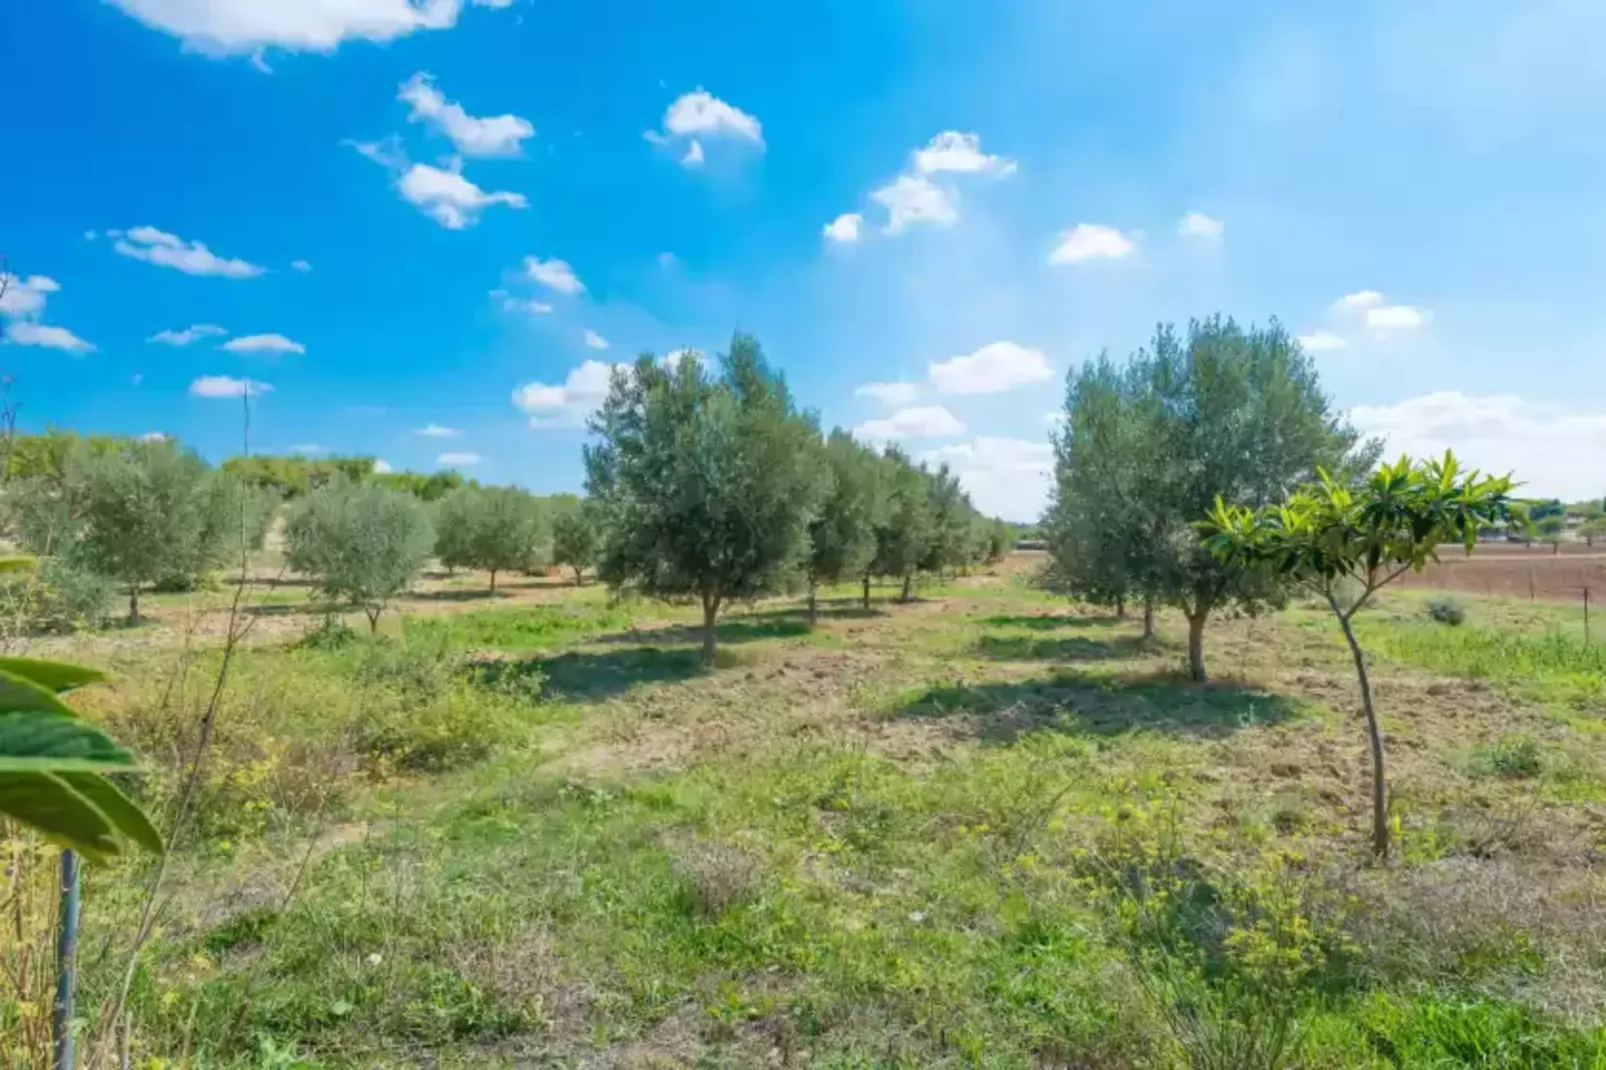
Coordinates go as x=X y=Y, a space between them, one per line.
x=842 y=535
x=1592 y=529
x=494 y=529
x=1147 y=449
x=903 y=528
x=951 y=516
x=705 y=483
x=1337 y=540
x=152 y=511
x=575 y=538
x=362 y=544
x=1552 y=530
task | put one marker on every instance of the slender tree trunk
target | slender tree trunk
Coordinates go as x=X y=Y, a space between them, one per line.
x=908 y=587
x=373 y=620
x=579 y=576
x=1374 y=736
x=1148 y=617
x=61 y=1023
x=1120 y=608
x=133 y=603
x=1555 y=547
x=867 y=592
x=814 y=603
x=493 y=581
x=710 y=634
x=1196 y=663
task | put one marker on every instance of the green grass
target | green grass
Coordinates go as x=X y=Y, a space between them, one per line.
x=984 y=830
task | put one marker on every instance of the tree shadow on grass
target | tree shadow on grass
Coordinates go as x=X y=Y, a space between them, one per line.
x=457 y=594
x=1061 y=648
x=586 y=675
x=745 y=629
x=1002 y=712
x=1047 y=623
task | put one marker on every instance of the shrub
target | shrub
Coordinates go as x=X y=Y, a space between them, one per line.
x=54 y=597
x=1517 y=757
x=1447 y=610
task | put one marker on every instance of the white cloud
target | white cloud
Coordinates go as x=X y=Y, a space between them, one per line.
x=1091 y=241
x=923 y=421
x=1005 y=477
x=220 y=27
x=301 y=265
x=528 y=306
x=913 y=199
x=694 y=155
x=382 y=466
x=1360 y=299
x=892 y=395
x=568 y=405
x=226 y=386
x=991 y=369
x=169 y=250
x=25 y=297
x=553 y=274
x=1553 y=452
x=1199 y=225
x=672 y=359
x=29 y=333
x=497 y=135
x=437 y=431
x=262 y=343
x=1322 y=342
x=701 y=113
x=448 y=198
x=309 y=448
x=458 y=460
x=386 y=153
x=154 y=436
x=844 y=228
x=595 y=340
x=187 y=335
x=953 y=151
x=1395 y=317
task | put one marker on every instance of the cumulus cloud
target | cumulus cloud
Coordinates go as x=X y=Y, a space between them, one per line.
x=458 y=460
x=1359 y=299
x=914 y=199
x=844 y=228
x=553 y=274
x=568 y=404
x=437 y=431
x=701 y=114
x=1552 y=451
x=189 y=334
x=448 y=198
x=528 y=306
x=25 y=297
x=892 y=395
x=953 y=151
x=1395 y=317
x=191 y=257
x=262 y=343
x=382 y=466
x=227 y=386
x=29 y=333
x=497 y=135
x=222 y=27
x=920 y=421
x=595 y=340
x=991 y=369
x=1005 y=477
x=1322 y=342
x=694 y=155
x=1199 y=225
x=1091 y=241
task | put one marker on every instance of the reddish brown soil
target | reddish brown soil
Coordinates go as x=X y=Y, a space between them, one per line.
x=1513 y=570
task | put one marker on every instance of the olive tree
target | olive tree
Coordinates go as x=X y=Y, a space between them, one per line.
x=903 y=525
x=1592 y=529
x=705 y=482
x=574 y=539
x=842 y=538
x=1345 y=544
x=950 y=513
x=362 y=544
x=491 y=528
x=1552 y=530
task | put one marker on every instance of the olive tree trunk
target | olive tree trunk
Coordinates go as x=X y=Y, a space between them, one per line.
x=814 y=603
x=1148 y=617
x=908 y=588
x=867 y=593
x=1196 y=662
x=710 y=632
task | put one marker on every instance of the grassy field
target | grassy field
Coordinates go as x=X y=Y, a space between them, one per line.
x=986 y=829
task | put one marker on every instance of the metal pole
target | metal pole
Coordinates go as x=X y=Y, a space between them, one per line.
x=66 y=963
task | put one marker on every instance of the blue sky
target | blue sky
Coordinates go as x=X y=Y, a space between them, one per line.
x=400 y=218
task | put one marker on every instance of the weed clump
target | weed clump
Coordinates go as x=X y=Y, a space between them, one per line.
x=1517 y=757
x=1447 y=610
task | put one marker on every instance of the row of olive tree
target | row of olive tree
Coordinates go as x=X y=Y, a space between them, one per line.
x=710 y=484
x=1146 y=447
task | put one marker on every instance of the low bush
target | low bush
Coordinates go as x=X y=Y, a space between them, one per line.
x=55 y=597
x=1517 y=757
x=1447 y=610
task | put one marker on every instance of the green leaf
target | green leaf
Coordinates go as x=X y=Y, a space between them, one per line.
x=19 y=693
x=50 y=742
x=127 y=818
x=57 y=676
x=46 y=803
